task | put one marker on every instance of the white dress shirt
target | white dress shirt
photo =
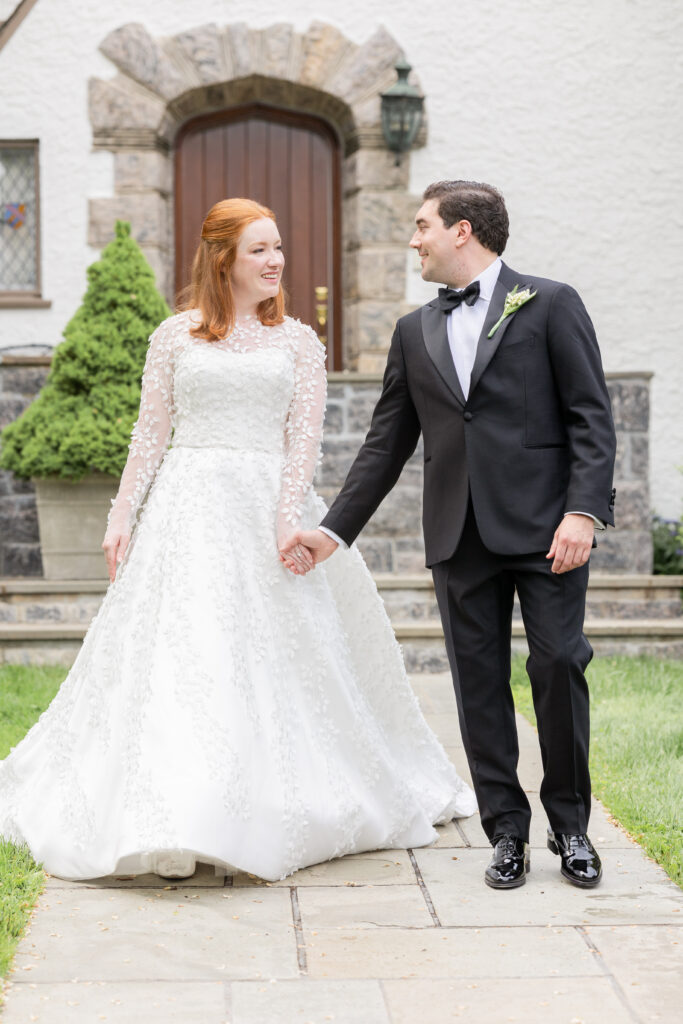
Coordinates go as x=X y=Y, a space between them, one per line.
x=464 y=325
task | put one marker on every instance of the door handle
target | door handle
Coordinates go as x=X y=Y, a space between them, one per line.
x=321 y=293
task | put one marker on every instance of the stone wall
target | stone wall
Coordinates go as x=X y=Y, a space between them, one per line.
x=392 y=540
x=21 y=378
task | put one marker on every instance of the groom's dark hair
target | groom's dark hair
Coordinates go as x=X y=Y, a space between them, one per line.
x=480 y=204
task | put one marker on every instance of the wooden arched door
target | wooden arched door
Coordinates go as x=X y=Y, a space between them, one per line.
x=291 y=163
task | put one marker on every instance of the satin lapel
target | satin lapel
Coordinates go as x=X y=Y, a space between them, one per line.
x=436 y=342
x=487 y=347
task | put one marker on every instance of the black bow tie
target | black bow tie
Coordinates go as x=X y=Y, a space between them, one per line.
x=450 y=299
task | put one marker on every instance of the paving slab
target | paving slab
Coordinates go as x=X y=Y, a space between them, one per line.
x=449 y=952
x=632 y=892
x=308 y=1002
x=379 y=867
x=131 y=1002
x=446 y=726
x=647 y=962
x=137 y=935
x=497 y=1001
x=435 y=693
x=204 y=877
x=367 y=906
x=458 y=758
x=450 y=836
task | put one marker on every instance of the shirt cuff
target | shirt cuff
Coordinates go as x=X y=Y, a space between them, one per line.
x=342 y=543
x=599 y=525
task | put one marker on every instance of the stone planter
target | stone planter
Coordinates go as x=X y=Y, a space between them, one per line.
x=72 y=518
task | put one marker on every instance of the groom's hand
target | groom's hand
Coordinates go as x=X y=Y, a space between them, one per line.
x=316 y=544
x=571 y=546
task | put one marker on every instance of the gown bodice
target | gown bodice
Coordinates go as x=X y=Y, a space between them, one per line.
x=260 y=389
x=232 y=399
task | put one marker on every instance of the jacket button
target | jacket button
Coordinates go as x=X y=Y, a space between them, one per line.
x=467 y=416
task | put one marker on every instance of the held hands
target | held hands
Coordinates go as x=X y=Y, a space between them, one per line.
x=303 y=550
x=571 y=546
x=114 y=546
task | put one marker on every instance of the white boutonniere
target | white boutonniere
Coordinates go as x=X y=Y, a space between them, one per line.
x=514 y=300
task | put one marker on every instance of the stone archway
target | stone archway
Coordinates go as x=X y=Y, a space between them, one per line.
x=163 y=83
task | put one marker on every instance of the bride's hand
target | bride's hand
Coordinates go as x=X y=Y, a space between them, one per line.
x=315 y=546
x=295 y=556
x=114 y=546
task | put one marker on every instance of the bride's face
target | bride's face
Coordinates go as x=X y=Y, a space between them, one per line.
x=259 y=262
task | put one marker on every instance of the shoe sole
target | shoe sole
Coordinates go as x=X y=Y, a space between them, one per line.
x=505 y=885
x=510 y=885
x=580 y=883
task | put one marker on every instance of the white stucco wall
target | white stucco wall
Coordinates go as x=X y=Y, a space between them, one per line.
x=572 y=109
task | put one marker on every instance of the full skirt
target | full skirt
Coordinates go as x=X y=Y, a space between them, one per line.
x=222 y=707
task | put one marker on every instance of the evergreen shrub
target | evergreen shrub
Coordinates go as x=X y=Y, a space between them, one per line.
x=667 y=541
x=82 y=419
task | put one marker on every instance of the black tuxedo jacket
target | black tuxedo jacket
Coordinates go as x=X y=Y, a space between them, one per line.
x=533 y=440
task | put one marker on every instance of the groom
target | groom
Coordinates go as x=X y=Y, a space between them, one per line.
x=502 y=375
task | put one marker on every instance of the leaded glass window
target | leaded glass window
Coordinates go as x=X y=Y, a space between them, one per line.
x=19 y=270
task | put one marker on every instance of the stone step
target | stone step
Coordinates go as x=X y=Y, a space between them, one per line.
x=424 y=652
x=422 y=642
x=407 y=598
x=609 y=597
x=43 y=621
x=45 y=601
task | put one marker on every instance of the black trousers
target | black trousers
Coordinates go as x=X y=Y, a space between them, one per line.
x=475 y=591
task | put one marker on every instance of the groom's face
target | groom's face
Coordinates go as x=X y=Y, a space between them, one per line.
x=435 y=243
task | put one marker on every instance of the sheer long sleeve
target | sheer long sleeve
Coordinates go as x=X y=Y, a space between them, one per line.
x=151 y=434
x=303 y=431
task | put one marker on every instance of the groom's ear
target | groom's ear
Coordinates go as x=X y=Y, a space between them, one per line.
x=462 y=232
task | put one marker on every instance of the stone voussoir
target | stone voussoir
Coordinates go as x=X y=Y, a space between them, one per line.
x=277 y=43
x=139 y=56
x=324 y=47
x=359 y=73
x=245 y=49
x=204 y=48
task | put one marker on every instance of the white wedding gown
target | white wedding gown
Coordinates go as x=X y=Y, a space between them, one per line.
x=222 y=709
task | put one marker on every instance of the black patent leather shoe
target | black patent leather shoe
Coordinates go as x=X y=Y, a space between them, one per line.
x=580 y=863
x=510 y=863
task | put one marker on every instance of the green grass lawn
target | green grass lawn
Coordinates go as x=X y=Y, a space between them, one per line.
x=636 y=748
x=24 y=693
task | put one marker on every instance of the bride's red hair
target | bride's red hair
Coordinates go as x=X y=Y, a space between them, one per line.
x=210 y=290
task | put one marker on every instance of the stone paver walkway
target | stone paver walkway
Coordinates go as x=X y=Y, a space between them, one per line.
x=394 y=937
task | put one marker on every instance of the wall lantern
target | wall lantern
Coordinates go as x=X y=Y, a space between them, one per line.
x=401 y=112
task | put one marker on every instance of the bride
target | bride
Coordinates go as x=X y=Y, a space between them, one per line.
x=223 y=709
